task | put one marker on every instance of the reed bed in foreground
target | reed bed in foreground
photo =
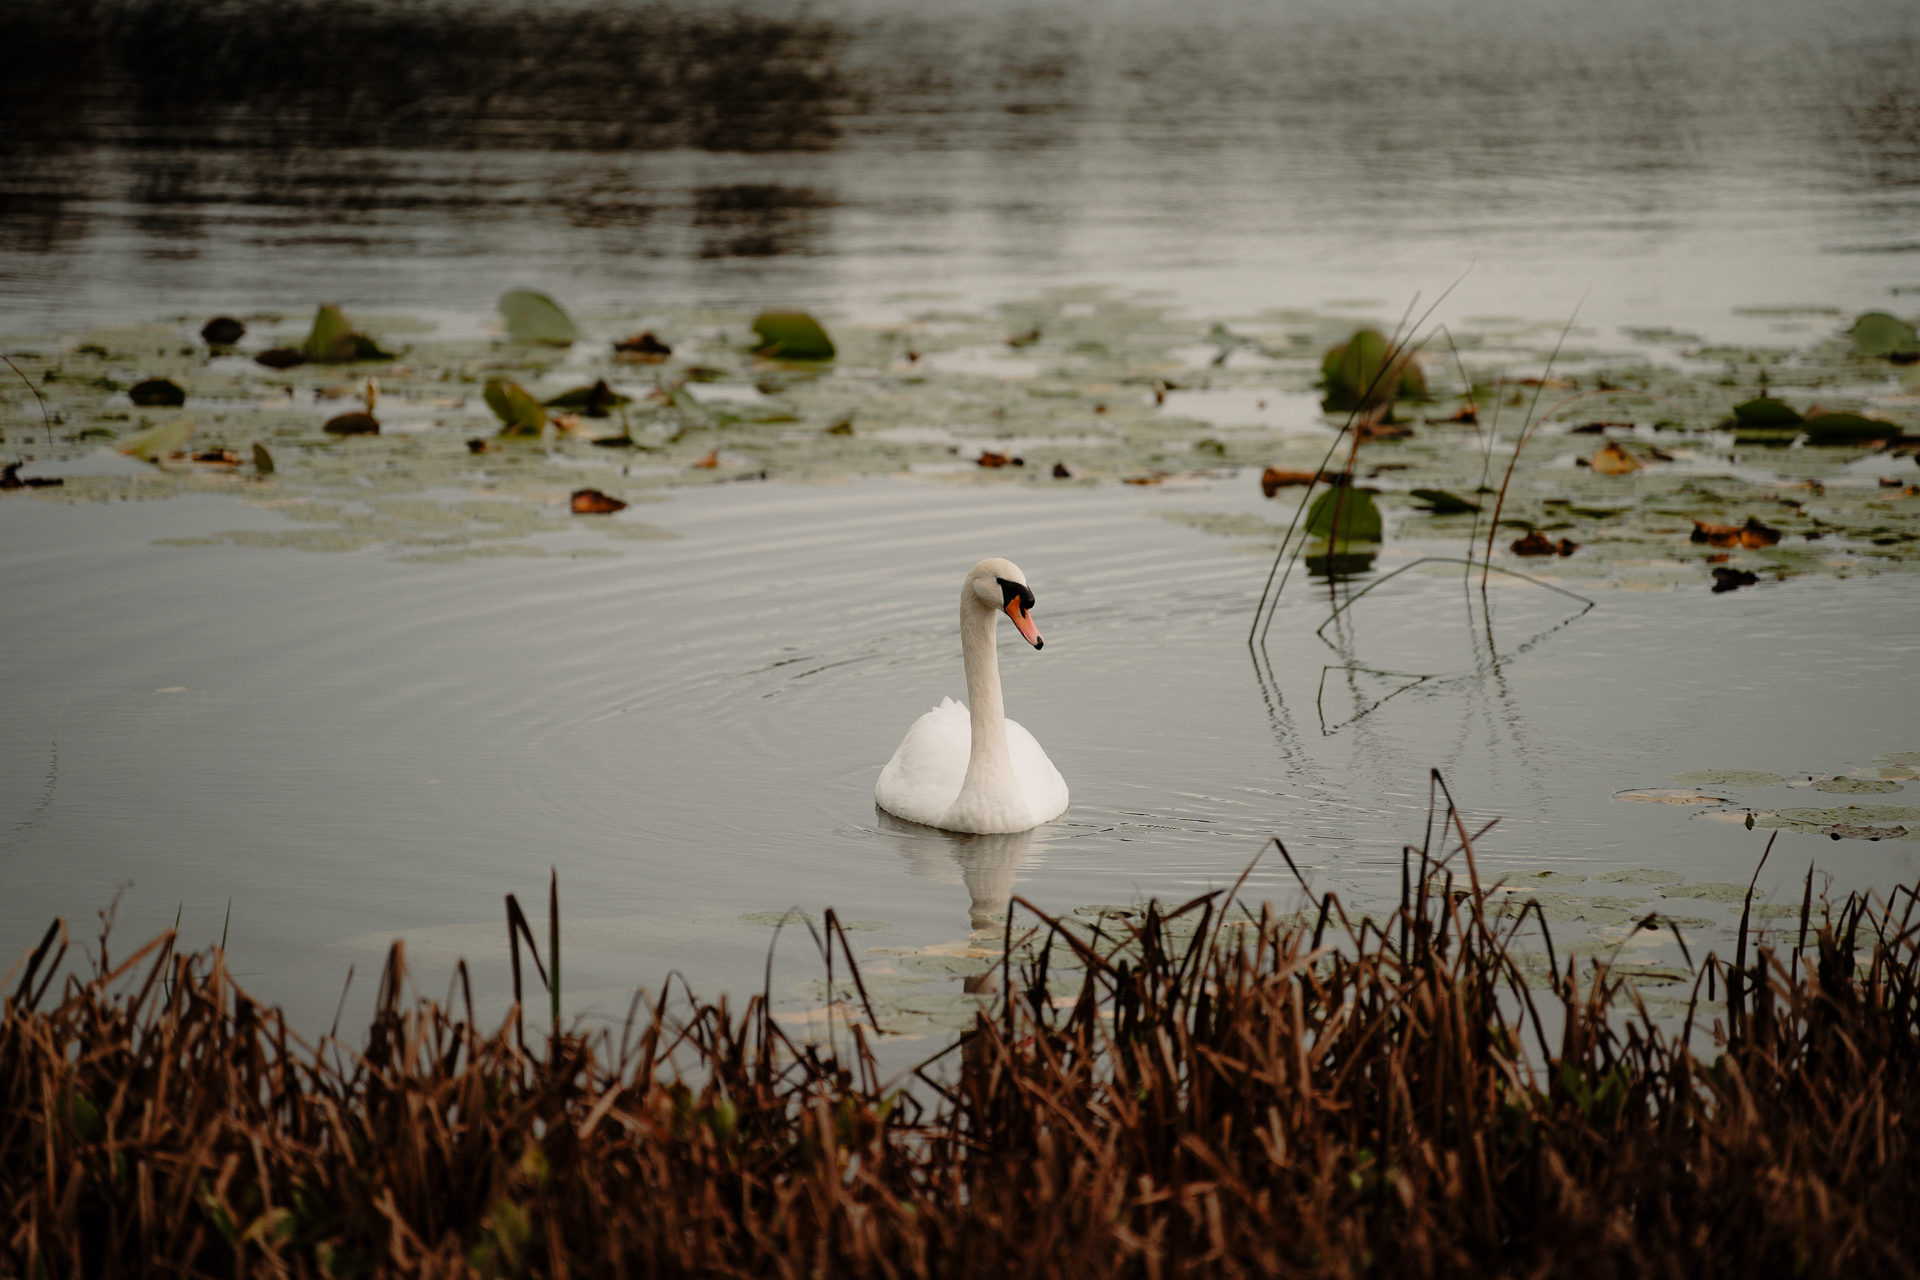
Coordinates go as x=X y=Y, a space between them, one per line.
x=1244 y=1099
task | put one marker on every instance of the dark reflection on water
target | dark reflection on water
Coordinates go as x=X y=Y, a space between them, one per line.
x=749 y=146
x=238 y=74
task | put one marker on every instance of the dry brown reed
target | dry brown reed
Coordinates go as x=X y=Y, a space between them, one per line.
x=1222 y=1094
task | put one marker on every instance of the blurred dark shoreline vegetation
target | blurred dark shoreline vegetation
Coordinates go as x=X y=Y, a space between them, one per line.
x=244 y=74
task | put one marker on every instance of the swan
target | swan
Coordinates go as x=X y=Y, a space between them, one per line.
x=976 y=771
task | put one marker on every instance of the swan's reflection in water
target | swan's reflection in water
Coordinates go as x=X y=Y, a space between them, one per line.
x=988 y=865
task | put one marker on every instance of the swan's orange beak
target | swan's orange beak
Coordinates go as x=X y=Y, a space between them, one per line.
x=1024 y=620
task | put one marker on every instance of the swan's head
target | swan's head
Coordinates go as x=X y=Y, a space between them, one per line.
x=999 y=585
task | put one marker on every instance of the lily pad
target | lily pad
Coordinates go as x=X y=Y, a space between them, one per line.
x=1898 y=757
x=594 y=401
x=162 y=392
x=1878 y=334
x=1655 y=795
x=1855 y=786
x=1852 y=815
x=779 y=917
x=332 y=340
x=1724 y=778
x=1358 y=374
x=1707 y=892
x=1359 y=517
x=1442 y=503
x=157 y=442
x=352 y=424
x=964 y=966
x=1550 y=877
x=534 y=317
x=519 y=413
x=1844 y=428
x=1641 y=875
x=791 y=335
x=1763 y=411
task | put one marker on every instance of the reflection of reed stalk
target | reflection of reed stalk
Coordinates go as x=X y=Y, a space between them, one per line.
x=36 y=395
x=1393 y=362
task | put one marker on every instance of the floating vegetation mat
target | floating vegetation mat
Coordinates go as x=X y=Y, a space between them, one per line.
x=1648 y=465
x=1863 y=811
x=1140 y=1091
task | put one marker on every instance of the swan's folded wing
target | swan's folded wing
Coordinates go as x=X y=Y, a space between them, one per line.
x=1040 y=782
x=924 y=776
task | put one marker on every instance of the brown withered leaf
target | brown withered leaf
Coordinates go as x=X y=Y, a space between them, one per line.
x=709 y=460
x=643 y=348
x=1751 y=535
x=1611 y=460
x=1466 y=413
x=592 y=502
x=281 y=358
x=1716 y=535
x=1371 y=430
x=1535 y=543
x=478 y=445
x=1567 y=546
x=1156 y=478
x=1273 y=479
x=988 y=458
x=225 y=457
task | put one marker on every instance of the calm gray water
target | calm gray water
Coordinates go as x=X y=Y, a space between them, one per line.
x=350 y=749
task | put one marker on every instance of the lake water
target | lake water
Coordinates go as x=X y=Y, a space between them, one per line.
x=350 y=749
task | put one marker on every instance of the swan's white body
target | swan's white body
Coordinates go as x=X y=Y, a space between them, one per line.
x=969 y=768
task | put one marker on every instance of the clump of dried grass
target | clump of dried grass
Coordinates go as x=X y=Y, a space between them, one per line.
x=1241 y=1099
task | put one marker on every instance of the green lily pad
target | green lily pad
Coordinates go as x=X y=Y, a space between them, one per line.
x=519 y=413
x=157 y=442
x=1358 y=515
x=779 y=917
x=1898 y=757
x=964 y=966
x=1641 y=875
x=1855 y=786
x=1724 y=778
x=594 y=401
x=534 y=317
x=1358 y=374
x=791 y=335
x=1442 y=503
x=1878 y=334
x=1707 y=892
x=332 y=340
x=1766 y=412
x=1852 y=815
x=1844 y=428
x=262 y=460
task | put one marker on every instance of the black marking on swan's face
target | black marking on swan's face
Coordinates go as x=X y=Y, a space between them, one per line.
x=1011 y=591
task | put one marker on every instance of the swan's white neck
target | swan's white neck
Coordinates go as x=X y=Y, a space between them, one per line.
x=989 y=777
